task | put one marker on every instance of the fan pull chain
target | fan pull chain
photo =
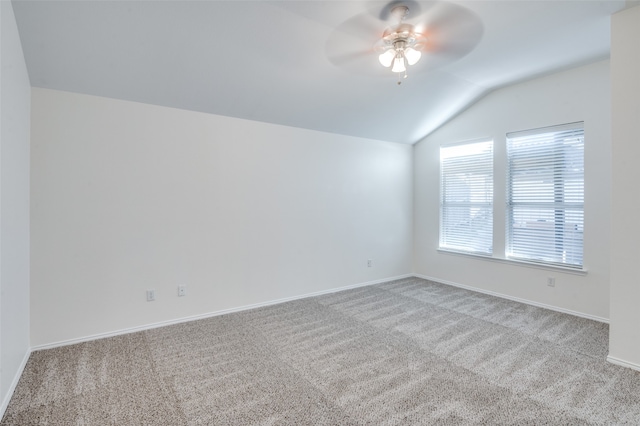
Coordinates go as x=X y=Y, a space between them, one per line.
x=401 y=77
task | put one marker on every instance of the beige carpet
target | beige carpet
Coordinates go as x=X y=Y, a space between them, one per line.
x=404 y=352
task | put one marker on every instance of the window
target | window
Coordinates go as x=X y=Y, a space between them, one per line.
x=466 y=197
x=545 y=198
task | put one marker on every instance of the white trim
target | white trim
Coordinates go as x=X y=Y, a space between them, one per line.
x=622 y=363
x=547 y=129
x=465 y=142
x=516 y=262
x=209 y=314
x=14 y=383
x=516 y=299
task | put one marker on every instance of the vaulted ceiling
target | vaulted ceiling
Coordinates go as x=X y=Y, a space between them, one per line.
x=275 y=61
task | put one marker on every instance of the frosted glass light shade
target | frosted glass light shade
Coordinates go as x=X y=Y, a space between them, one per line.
x=398 y=65
x=412 y=55
x=386 y=58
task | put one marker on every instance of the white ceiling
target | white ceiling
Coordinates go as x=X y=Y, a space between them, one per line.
x=268 y=60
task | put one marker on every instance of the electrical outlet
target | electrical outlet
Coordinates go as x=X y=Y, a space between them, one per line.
x=551 y=281
x=369 y=263
x=182 y=290
x=151 y=295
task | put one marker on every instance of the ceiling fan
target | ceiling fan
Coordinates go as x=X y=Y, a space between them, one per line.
x=389 y=38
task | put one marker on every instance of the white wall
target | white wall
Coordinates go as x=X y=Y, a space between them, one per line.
x=14 y=204
x=128 y=196
x=579 y=94
x=624 y=344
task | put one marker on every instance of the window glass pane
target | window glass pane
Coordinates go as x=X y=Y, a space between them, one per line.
x=545 y=199
x=466 y=203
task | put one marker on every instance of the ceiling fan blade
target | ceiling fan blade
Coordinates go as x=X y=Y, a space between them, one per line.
x=351 y=44
x=346 y=58
x=363 y=26
x=452 y=31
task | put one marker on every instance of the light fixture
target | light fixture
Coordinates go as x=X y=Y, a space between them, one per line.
x=398 y=64
x=400 y=45
x=386 y=58
x=412 y=55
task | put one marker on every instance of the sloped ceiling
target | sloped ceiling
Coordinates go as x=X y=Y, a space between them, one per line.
x=268 y=60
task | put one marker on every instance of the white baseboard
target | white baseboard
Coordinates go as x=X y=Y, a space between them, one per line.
x=14 y=383
x=516 y=299
x=208 y=314
x=622 y=363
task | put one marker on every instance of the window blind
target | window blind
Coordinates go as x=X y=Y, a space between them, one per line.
x=466 y=197
x=545 y=195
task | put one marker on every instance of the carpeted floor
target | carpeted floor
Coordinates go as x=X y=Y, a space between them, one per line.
x=404 y=352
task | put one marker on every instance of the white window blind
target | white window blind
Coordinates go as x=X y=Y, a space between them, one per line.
x=545 y=198
x=466 y=197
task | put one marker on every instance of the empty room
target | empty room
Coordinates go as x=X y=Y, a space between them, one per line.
x=319 y=212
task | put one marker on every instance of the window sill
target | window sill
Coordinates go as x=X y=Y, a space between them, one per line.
x=523 y=263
